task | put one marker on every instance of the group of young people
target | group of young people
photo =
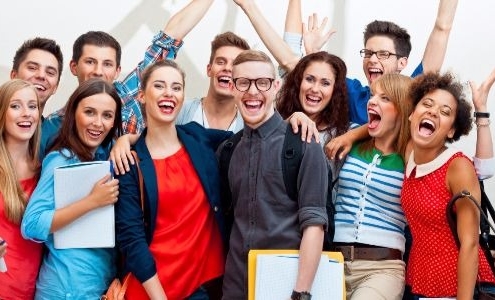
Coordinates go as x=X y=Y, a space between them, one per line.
x=382 y=155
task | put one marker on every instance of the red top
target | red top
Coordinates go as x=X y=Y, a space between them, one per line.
x=23 y=257
x=186 y=245
x=432 y=265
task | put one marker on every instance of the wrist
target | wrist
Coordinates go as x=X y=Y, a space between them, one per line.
x=478 y=114
x=300 y=295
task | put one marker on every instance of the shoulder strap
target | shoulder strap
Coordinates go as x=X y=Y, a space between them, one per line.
x=140 y=176
x=291 y=160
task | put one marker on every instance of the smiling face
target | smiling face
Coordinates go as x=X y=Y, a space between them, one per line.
x=94 y=118
x=220 y=70
x=41 y=69
x=383 y=116
x=163 y=95
x=373 y=67
x=22 y=116
x=255 y=106
x=432 y=120
x=316 y=88
x=96 y=62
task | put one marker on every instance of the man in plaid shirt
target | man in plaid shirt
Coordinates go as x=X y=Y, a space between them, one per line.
x=97 y=54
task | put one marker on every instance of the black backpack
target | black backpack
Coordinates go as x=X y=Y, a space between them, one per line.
x=291 y=161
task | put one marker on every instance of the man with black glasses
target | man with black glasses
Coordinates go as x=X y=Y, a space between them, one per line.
x=264 y=214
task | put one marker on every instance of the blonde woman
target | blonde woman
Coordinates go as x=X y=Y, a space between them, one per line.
x=19 y=172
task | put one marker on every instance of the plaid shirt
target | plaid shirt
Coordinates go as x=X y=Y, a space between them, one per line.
x=162 y=47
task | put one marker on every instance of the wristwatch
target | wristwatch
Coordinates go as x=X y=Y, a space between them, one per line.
x=300 y=295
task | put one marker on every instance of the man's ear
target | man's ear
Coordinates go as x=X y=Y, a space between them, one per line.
x=73 y=67
x=13 y=74
x=208 y=70
x=119 y=68
x=402 y=63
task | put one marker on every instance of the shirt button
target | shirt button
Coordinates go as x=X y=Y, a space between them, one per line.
x=215 y=208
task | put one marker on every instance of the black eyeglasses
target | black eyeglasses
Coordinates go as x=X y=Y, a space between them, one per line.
x=243 y=84
x=380 y=54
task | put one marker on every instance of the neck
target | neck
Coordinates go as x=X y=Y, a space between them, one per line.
x=162 y=141
x=219 y=113
x=386 y=145
x=23 y=165
x=425 y=155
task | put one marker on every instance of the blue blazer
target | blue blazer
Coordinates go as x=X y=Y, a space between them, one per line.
x=134 y=229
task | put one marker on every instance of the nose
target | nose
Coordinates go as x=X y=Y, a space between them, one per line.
x=372 y=101
x=374 y=57
x=252 y=90
x=98 y=70
x=97 y=121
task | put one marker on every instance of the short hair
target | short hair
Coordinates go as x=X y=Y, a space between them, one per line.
x=429 y=82
x=399 y=35
x=68 y=137
x=39 y=43
x=15 y=200
x=253 y=55
x=227 y=39
x=99 y=39
x=336 y=114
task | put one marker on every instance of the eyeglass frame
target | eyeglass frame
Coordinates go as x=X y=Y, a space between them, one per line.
x=271 y=80
x=362 y=52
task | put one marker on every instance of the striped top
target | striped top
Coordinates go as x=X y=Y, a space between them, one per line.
x=368 y=209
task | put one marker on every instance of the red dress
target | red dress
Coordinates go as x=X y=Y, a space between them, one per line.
x=187 y=245
x=432 y=265
x=23 y=257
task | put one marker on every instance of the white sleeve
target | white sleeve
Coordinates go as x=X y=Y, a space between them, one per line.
x=485 y=167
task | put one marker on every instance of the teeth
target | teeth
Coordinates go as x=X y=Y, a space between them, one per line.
x=428 y=122
x=313 y=98
x=167 y=104
x=226 y=78
x=24 y=123
x=94 y=132
x=39 y=87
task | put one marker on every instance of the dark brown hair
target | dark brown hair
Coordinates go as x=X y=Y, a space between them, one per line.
x=68 y=137
x=399 y=35
x=227 y=39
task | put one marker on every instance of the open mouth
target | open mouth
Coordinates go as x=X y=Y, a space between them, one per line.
x=374 y=73
x=25 y=124
x=39 y=87
x=373 y=119
x=313 y=100
x=426 y=127
x=166 y=106
x=253 y=105
x=224 y=81
x=95 y=134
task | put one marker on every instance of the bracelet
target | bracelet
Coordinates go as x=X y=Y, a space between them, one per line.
x=482 y=124
x=481 y=114
x=300 y=295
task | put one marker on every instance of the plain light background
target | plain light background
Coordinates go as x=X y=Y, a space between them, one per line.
x=470 y=53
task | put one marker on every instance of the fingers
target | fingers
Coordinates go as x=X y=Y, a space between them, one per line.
x=336 y=148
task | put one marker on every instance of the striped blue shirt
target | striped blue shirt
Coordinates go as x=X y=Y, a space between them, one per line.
x=368 y=209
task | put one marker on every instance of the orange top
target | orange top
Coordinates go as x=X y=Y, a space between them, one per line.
x=187 y=245
x=23 y=257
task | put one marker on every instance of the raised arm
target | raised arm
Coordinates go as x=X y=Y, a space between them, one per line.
x=180 y=24
x=483 y=160
x=436 y=46
x=314 y=36
x=275 y=44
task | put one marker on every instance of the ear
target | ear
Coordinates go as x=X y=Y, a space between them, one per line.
x=73 y=67
x=451 y=132
x=13 y=74
x=119 y=68
x=402 y=63
x=208 y=70
x=140 y=96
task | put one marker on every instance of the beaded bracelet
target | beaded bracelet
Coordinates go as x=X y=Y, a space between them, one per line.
x=482 y=124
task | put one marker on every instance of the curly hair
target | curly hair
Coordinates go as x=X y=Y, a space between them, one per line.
x=335 y=115
x=429 y=82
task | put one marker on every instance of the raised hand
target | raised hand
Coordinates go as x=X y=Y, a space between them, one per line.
x=314 y=36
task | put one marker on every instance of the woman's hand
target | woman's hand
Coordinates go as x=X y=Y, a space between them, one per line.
x=3 y=247
x=308 y=127
x=105 y=192
x=121 y=155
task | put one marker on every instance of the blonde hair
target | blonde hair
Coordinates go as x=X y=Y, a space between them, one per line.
x=396 y=87
x=15 y=200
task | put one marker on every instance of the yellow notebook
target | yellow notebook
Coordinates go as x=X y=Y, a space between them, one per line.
x=333 y=257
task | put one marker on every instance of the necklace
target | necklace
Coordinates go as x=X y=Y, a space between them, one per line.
x=203 y=117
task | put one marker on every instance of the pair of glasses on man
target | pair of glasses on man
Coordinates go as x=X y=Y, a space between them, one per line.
x=380 y=54
x=243 y=84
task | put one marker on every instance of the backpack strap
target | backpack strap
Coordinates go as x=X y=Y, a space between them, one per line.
x=291 y=160
x=226 y=151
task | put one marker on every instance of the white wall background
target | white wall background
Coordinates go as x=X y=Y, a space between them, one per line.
x=134 y=22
